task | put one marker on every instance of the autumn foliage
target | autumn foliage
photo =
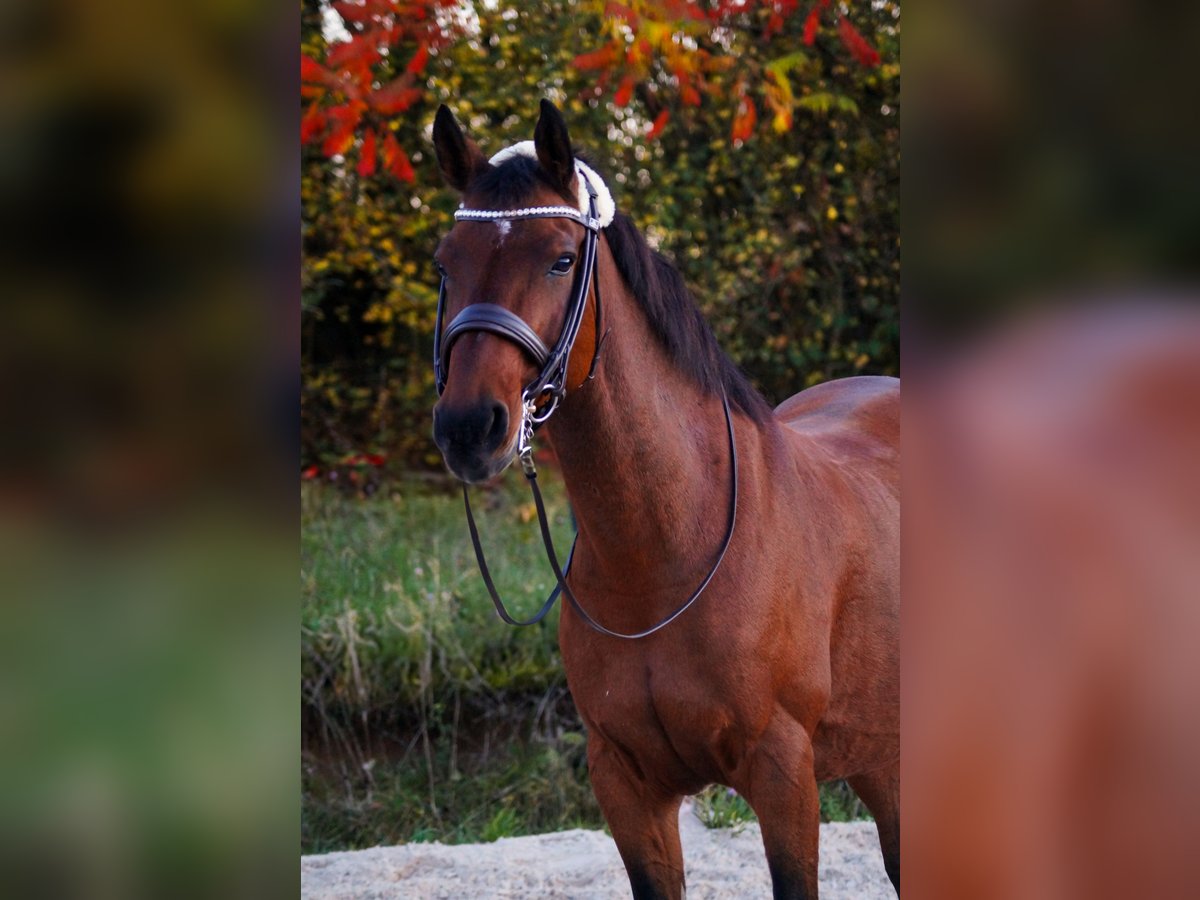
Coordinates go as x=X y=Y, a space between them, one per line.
x=756 y=143
x=359 y=87
x=656 y=53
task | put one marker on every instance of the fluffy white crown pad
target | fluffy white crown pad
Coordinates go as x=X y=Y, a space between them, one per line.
x=605 y=207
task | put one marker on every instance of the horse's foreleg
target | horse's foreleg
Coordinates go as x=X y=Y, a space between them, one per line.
x=880 y=791
x=644 y=823
x=782 y=789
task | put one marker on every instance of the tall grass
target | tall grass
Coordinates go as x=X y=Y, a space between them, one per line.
x=394 y=615
x=426 y=717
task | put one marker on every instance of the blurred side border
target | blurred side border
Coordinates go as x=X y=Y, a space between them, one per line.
x=1051 y=224
x=149 y=179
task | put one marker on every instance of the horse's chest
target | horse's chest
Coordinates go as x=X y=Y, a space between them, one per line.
x=672 y=720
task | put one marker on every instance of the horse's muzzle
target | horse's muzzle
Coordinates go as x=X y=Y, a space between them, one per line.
x=471 y=437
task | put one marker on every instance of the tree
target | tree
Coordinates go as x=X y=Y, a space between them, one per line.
x=784 y=223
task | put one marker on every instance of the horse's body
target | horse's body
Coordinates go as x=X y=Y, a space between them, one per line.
x=786 y=671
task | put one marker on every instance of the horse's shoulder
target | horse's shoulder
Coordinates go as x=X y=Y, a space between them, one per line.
x=867 y=403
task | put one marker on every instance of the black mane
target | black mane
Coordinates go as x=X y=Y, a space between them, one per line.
x=670 y=308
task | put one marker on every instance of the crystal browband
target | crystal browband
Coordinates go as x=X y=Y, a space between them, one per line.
x=529 y=212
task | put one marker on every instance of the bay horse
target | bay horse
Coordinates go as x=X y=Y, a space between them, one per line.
x=785 y=671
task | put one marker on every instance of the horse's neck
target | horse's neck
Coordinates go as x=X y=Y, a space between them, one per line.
x=645 y=456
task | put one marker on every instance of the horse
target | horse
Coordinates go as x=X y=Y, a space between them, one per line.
x=784 y=672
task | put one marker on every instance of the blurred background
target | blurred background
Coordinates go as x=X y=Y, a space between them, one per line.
x=756 y=144
x=1051 y=432
x=148 y=371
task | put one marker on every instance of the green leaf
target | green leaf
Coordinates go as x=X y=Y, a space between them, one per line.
x=820 y=102
x=845 y=104
x=787 y=63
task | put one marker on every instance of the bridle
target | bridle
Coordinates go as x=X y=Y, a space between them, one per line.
x=542 y=396
x=539 y=398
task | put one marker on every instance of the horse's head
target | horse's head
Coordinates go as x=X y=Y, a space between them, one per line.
x=524 y=266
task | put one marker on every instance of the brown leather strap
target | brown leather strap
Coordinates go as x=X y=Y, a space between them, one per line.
x=497 y=320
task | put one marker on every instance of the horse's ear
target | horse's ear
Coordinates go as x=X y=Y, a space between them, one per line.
x=457 y=155
x=554 y=149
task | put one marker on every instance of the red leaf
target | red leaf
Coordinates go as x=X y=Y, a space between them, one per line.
x=366 y=155
x=596 y=59
x=395 y=159
x=312 y=125
x=688 y=94
x=744 y=121
x=389 y=149
x=395 y=97
x=403 y=168
x=311 y=70
x=344 y=119
x=361 y=50
x=625 y=91
x=857 y=44
x=619 y=10
x=659 y=124
x=417 y=63
x=310 y=473
x=352 y=12
x=810 y=25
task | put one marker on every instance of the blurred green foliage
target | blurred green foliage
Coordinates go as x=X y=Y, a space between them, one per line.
x=789 y=239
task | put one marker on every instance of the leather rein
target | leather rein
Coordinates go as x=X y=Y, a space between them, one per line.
x=541 y=397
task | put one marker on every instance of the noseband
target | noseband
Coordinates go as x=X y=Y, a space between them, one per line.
x=541 y=397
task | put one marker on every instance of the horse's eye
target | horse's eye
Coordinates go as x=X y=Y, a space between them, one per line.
x=440 y=270
x=563 y=266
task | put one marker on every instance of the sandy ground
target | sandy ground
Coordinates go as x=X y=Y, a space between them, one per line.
x=584 y=864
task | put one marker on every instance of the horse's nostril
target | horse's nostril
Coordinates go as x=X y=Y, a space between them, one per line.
x=499 y=429
x=469 y=436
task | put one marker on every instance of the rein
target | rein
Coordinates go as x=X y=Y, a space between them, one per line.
x=541 y=397
x=560 y=573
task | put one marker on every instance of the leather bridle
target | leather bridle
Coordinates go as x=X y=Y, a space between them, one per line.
x=541 y=397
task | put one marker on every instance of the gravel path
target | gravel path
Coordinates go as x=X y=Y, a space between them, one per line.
x=582 y=865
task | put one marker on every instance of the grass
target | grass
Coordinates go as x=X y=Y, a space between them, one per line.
x=426 y=717
x=720 y=807
x=518 y=787
x=394 y=613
